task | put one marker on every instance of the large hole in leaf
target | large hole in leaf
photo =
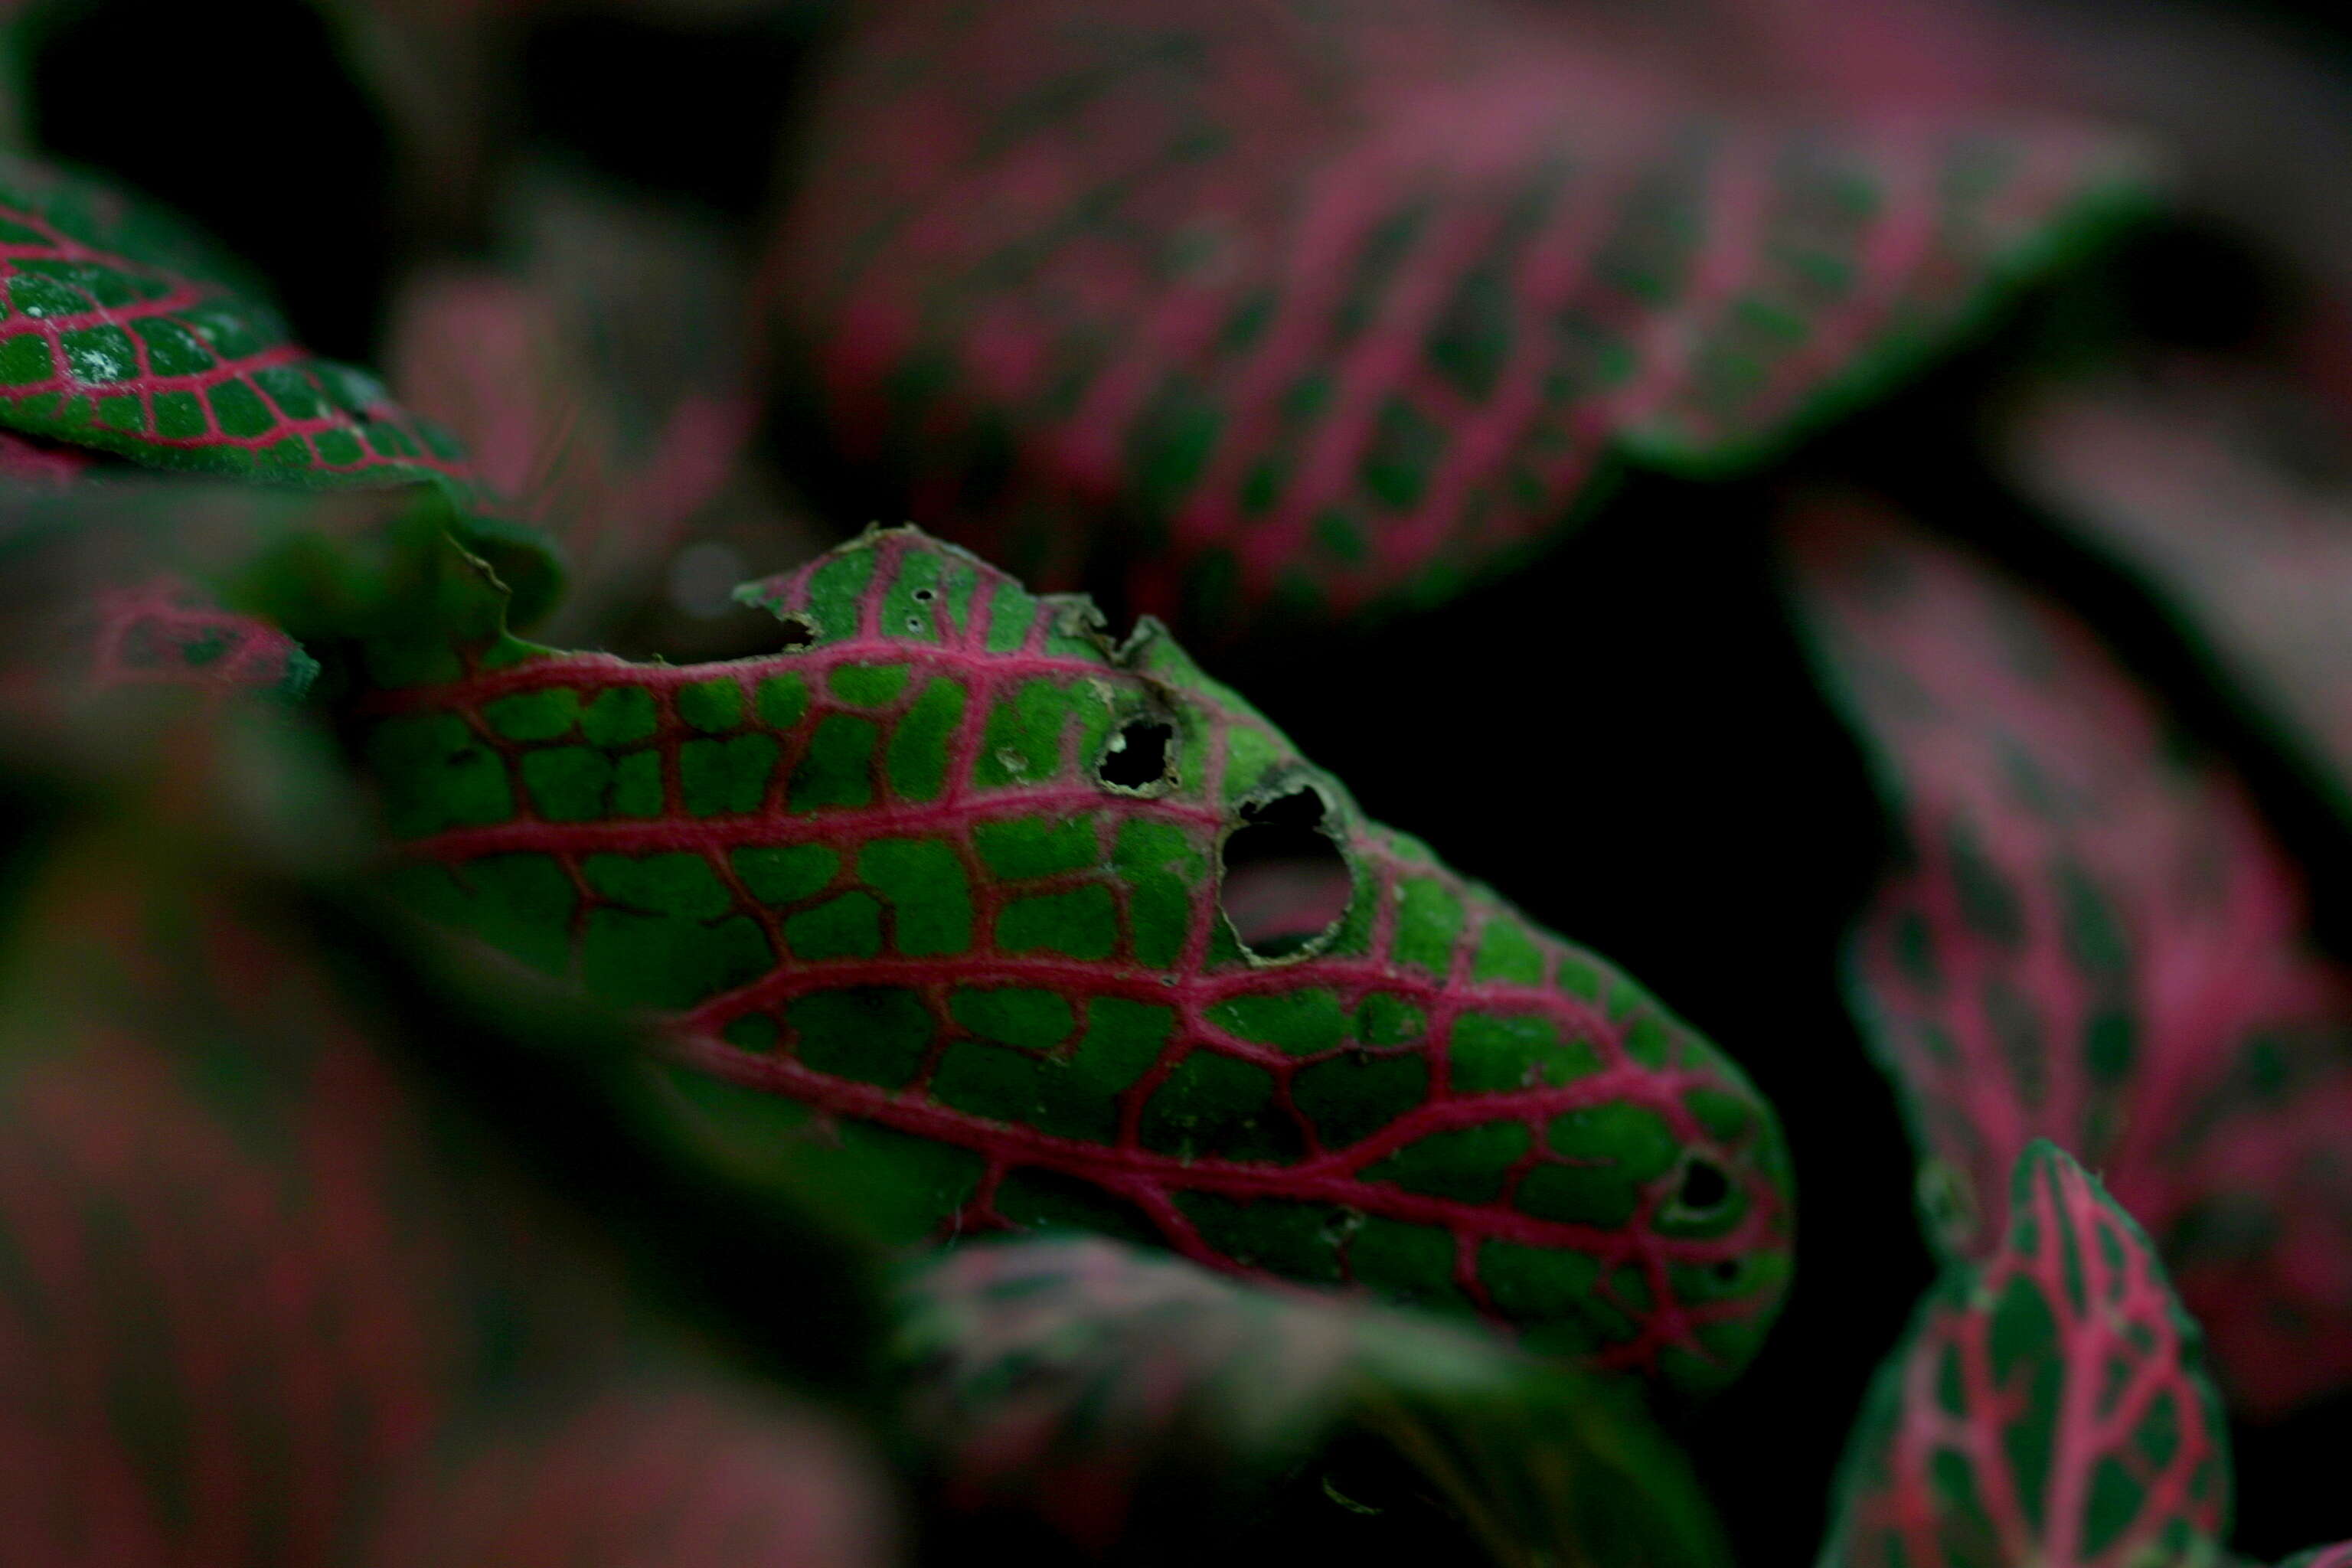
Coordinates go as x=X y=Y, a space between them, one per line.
x=1704 y=1187
x=1136 y=755
x=1285 y=883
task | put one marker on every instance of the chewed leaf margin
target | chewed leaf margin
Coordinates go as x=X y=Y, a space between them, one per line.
x=897 y=917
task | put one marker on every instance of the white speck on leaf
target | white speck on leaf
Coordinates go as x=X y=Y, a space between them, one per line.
x=97 y=362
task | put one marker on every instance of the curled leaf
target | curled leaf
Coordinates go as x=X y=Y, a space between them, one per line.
x=2091 y=939
x=1131 y=1399
x=1334 y=306
x=936 y=889
x=2048 y=1405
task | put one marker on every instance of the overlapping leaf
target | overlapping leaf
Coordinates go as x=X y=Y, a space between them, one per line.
x=597 y=376
x=1332 y=305
x=2336 y=1556
x=126 y=333
x=263 y=1300
x=1086 y=1382
x=122 y=331
x=2048 y=1406
x=2227 y=498
x=2094 y=939
x=946 y=872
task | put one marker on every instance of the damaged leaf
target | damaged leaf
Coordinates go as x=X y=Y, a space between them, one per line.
x=934 y=891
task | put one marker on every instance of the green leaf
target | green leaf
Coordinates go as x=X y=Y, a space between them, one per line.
x=935 y=894
x=1126 y=1396
x=122 y=331
x=2048 y=1406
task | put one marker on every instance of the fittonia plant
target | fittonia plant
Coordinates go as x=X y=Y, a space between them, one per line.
x=2094 y=941
x=947 y=870
x=1335 y=307
x=2048 y=1405
x=950 y=1077
x=1106 y=1390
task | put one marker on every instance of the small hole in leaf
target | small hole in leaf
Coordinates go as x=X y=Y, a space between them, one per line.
x=1287 y=886
x=1136 y=757
x=1724 y=1270
x=923 y=595
x=795 y=633
x=1705 y=1187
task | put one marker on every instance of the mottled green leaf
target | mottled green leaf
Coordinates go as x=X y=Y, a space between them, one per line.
x=935 y=891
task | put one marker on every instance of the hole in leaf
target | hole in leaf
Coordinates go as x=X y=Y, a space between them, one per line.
x=923 y=595
x=1724 y=1269
x=794 y=633
x=1287 y=886
x=1136 y=756
x=1704 y=1188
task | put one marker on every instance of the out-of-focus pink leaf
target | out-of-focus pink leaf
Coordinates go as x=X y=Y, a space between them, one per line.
x=263 y=1300
x=668 y=1476
x=2048 y=1406
x=937 y=889
x=2093 y=940
x=597 y=377
x=2231 y=499
x=40 y=464
x=1125 y=1396
x=162 y=632
x=1334 y=305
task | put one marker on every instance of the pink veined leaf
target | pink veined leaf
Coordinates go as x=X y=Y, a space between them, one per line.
x=1333 y=306
x=937 y=890
x=164 y=633
x=2048 y=1406
x=262 y=1302
x=1126 y=1396
x=40 y=464
x=2224 y=495
x=2094 y=939
x=597 y=377
x=681 y=1477
x=2336 y=1556
x=128 y=334
x=123 y=331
